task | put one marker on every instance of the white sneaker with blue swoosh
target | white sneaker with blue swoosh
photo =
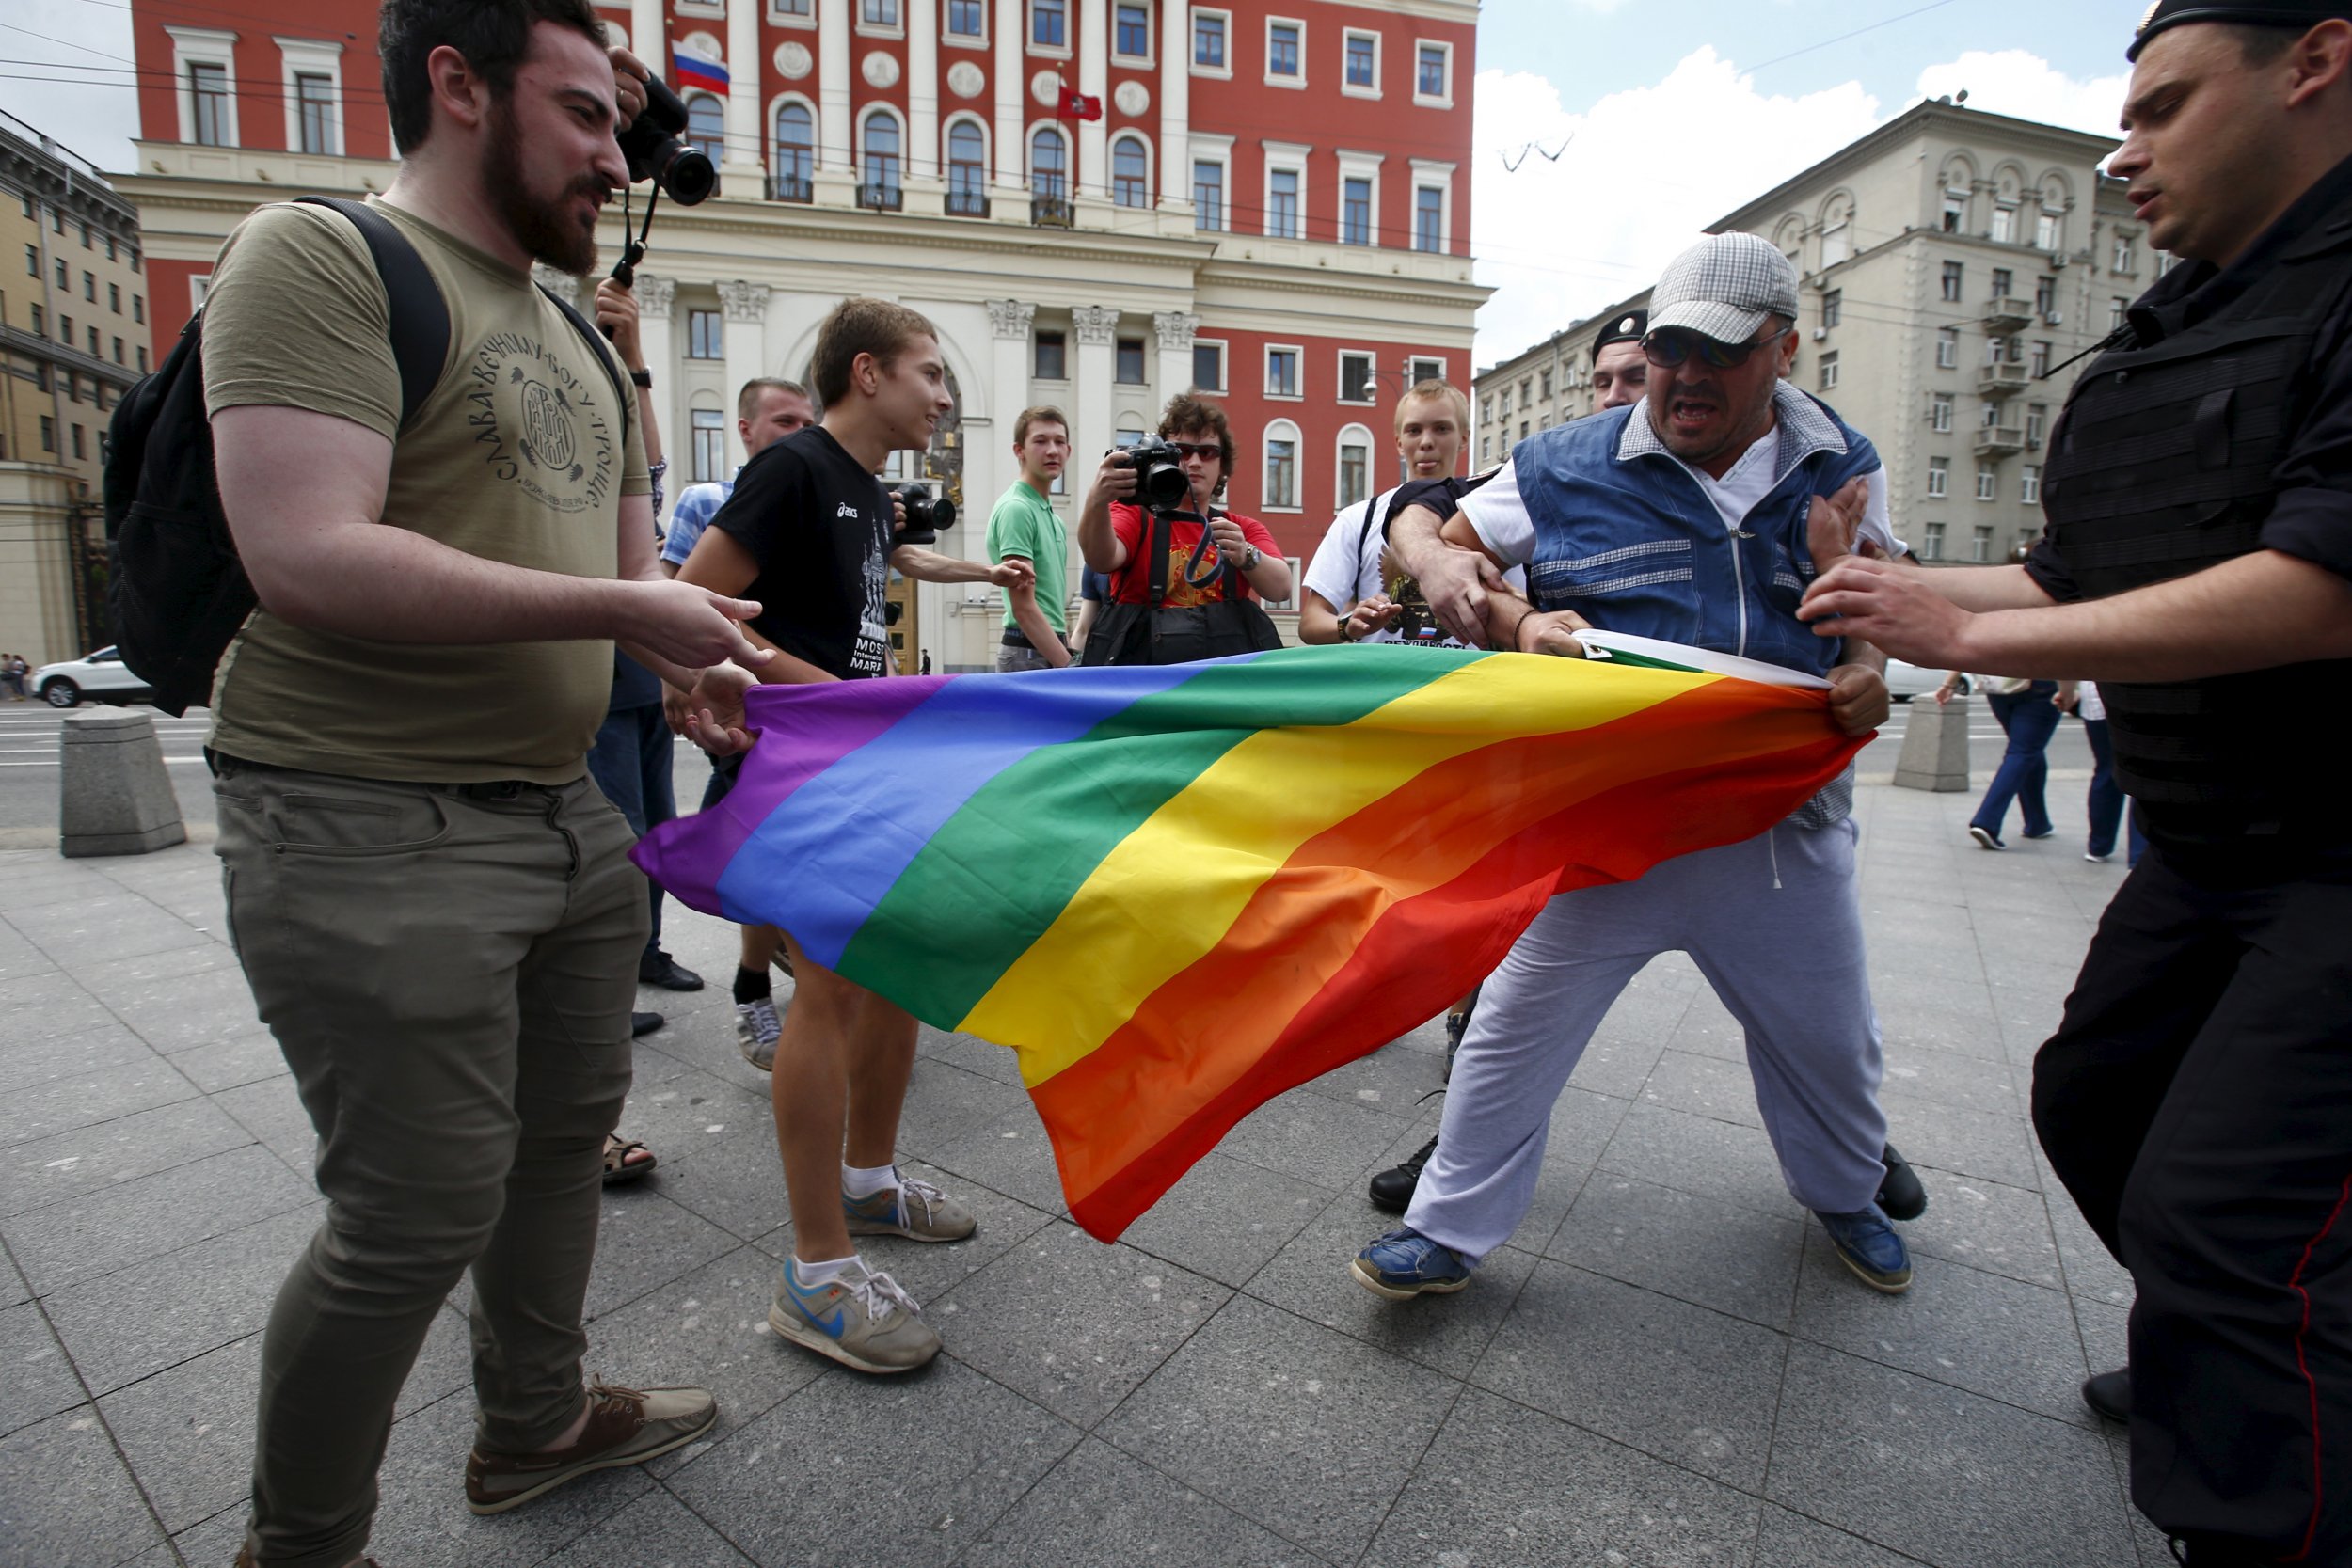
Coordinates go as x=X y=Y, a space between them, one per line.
x=862 y=1319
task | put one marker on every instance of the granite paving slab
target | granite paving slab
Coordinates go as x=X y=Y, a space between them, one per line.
x=69 y=1455
x=1324 y=1142
x=105 y=1154
x=655 y=1531
x=1986 y=1226
x=1226 y=1218
x=188 y=1432
x=1734 y=1260
x=35 y=1379
x=1699 y=1155
x=97 y=1233
x=62 y=1104
x=36 y=1055
x=1102 y=1506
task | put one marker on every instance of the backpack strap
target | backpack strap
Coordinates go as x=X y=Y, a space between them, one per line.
x=420 y=317
x=622 y=398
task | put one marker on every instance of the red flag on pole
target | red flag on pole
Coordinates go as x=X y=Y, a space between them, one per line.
x=1077 y=105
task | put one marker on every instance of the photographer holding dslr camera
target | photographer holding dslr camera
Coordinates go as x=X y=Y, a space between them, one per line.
x=1191 y=592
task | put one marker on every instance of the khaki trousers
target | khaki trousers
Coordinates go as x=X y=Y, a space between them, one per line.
x=448 y=971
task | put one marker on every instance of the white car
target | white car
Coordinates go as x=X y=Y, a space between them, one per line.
x=101 y=676
x=1906 y=681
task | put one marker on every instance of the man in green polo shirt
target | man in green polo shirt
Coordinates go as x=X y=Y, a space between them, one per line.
x=1024 y=526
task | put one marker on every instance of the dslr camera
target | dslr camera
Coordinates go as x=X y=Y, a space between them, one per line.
x=1160 y=482
x=927 y=513
x=655 y=150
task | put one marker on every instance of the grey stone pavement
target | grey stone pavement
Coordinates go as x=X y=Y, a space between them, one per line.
x=1666 y=1366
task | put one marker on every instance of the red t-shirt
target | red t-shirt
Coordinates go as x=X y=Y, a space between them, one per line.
x=1132 y=583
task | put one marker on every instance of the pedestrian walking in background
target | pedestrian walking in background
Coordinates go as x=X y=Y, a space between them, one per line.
x=2028 y=713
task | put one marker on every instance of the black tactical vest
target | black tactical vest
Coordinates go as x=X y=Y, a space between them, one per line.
x=2163 y=463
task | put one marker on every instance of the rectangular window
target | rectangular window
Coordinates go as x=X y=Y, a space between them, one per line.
x=1131 y=31
x=2004 y=283
x=965 y=19
x=1282 y=475
x=1355 y=472
x=314 y=112
x=705 y=335
x=1544 y=384
x=1981 y=545
x=48 y=433
x=1363 y=63
x=1281 y=204
x=1939 y=477
x=1208 y=40
x=1988 y=482
x=38 y=325
x=65 y=330
x=1130 y=362
x=1355 y=211
x=208 y=91
x=114 y=298
x=1282 y=51
x=2124 y=259
x=63 y=276
x=1208 y=365
x=1355 y=378
x=142 y=353
x=1419 y=369
x=2040 y=364
x=2004 y=225
x=1208 y=195
x=1947 y=348
x=2037 y=420
x=1506 y=403
x=2116 y=310
x=2046 y=297
x=1281 y=373
x=1053 y=358
x=1931 y=548
x=1940 y=412
x=1951 y=282
x=90 y=287
x=1431 y=67
x=1955 y=210
x=1049 y=23
x=2045 y=232
x=791 y=7
x=90 y=336
x=1832 y=306
x=710 y=446
x=1828 y=371
x=78 y=451
x=1429 y=219
x=119 y=359
x=2029 y=485
x=139 y=309
x=32 y=261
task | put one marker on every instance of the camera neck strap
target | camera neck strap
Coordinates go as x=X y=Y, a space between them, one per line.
x=1161 y=534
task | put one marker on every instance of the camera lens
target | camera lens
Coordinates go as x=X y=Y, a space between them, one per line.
x=688 y=177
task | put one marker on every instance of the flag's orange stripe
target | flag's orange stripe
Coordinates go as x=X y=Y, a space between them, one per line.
x=1136 y=1112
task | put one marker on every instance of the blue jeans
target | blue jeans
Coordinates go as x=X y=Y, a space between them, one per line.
x=2029 y=719
x=631 y=763
x=2107 y=796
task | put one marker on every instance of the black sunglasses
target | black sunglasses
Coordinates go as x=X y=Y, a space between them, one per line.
x=1198 y=449
x=1670 y=346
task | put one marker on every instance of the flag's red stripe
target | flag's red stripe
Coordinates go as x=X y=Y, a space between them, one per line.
x=1129 y=1117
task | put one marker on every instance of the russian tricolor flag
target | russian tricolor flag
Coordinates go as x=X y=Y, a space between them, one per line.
x=693 y=71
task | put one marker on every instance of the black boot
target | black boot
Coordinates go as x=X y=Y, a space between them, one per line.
x=1901 y=1195
x=1393 y=1189
x=2110 y=1394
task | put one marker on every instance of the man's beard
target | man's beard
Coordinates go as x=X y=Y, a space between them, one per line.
x=543 y=229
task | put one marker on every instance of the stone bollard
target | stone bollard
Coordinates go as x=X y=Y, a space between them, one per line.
x=116 y=797
x=1935 y=747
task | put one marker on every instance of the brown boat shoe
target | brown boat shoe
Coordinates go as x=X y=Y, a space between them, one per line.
x=625 y=1426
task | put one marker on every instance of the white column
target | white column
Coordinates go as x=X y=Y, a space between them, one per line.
x=1176 y=116
x=833 y=92
x=743 y=170
x=1092 y=177
x=1175 y=328
x=655 y=297
x=747 y=331
x=1008 y=373
x=645 y=36
x=1011 y=90
x=924 y=87
x=1090 y=387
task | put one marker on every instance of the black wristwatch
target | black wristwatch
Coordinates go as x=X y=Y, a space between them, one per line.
x=642 y=378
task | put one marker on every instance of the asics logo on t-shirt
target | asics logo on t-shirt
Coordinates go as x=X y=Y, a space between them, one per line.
x=845 y=510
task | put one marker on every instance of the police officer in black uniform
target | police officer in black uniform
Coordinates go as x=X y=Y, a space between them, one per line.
x=2197 y=1097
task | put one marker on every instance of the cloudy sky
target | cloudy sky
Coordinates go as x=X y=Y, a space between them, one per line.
x=1662 y=116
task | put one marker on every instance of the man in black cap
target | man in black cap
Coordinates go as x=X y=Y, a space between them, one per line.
x=1620 y=370
x=2197 y=1097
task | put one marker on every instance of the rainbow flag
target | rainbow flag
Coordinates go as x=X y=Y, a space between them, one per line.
x=1179 y=891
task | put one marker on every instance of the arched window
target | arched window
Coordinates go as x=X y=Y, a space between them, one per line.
x=1131 y=177
x=1049 y=164
x=1281 y=466
x=795 y=161
x=879 y=162
x=1836 y=229
x=706 y=125
x=967 y=170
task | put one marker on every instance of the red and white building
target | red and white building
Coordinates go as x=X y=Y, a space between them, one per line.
x=1272 y=206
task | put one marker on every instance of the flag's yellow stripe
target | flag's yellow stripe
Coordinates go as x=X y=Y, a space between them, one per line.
x=1168 y=893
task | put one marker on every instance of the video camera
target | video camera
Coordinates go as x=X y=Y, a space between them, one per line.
x=655 y=150
x=927 y=513
x=1160 y=482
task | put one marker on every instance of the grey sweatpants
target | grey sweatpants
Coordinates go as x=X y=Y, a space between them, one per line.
x=449 y=979
x=1774 y=924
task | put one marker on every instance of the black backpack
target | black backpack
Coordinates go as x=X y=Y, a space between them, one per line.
x=175 y=590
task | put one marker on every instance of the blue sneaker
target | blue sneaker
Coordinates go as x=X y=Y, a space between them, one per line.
x=1870 y=1247
x=1404 y=1263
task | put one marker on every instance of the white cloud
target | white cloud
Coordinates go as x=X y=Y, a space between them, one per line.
x=1646 y=171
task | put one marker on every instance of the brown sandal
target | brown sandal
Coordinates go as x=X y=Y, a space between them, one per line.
x=618 y=1166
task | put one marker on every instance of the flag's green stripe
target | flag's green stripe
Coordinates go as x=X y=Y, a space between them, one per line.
x=999 y=871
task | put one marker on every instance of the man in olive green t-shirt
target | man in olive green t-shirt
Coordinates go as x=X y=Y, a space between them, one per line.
x=431 y=901
x=1024 y=526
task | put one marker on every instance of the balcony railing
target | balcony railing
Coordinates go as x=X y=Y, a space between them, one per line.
x=791 y=187
x=2004 y=314
x=2000 y=380
x=1051 y=212
x=968 y=204
x=882 y=199
x=1999 y=440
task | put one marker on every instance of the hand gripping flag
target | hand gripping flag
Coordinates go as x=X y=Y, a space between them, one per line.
x=1178 y=892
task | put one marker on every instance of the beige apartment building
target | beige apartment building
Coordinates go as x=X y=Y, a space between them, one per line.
x=1953 y=264
x=74 y=334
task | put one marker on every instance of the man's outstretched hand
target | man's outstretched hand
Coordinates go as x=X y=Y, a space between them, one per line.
x=1889 y=607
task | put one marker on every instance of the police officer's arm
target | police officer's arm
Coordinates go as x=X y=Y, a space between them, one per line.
x=304 y=494
x=1456 y=578
x=1097 y=542
x=2255 y=612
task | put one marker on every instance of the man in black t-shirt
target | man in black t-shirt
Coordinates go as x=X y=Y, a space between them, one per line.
x=810 y=523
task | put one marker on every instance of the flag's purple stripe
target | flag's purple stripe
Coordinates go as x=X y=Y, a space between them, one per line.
x=812 y=728
x=838 y=852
